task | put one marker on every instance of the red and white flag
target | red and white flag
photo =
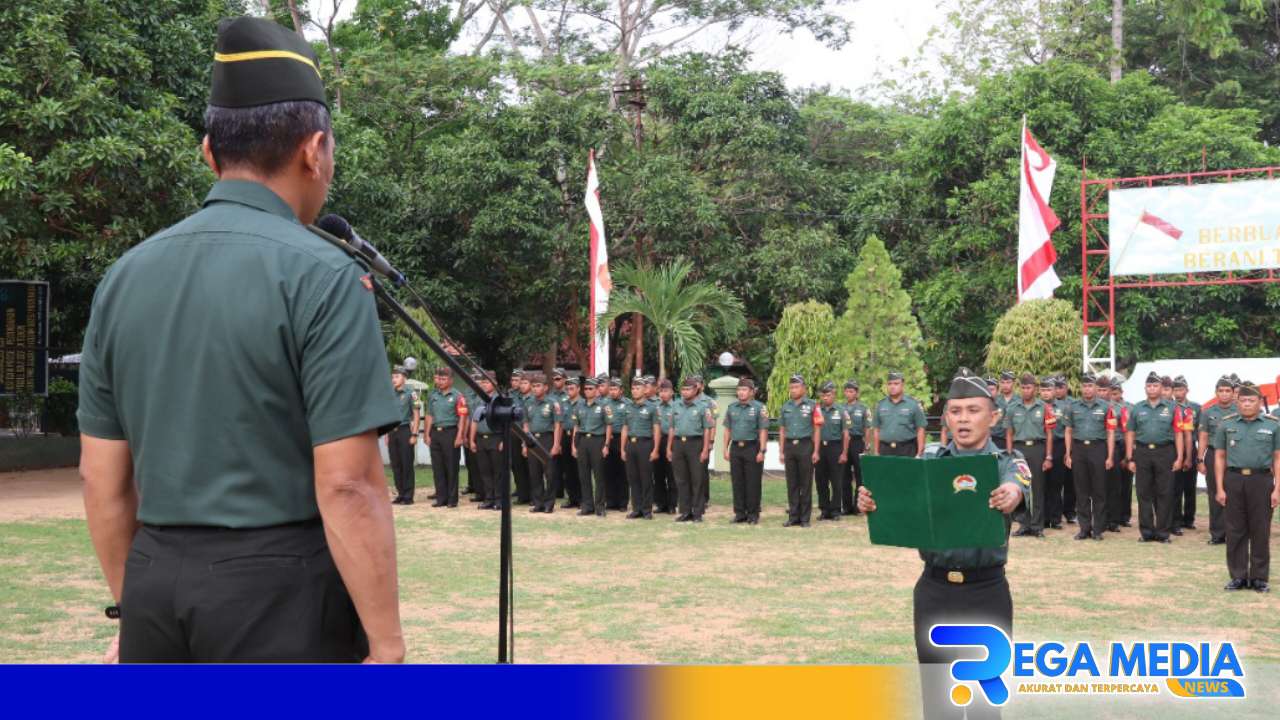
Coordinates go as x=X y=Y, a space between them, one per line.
x=1036 y=222
x=601 y=284
x=1155 y=228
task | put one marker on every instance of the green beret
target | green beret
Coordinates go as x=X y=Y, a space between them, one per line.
x=1104 y=383
x=991 y=382
x=1060 y=381
x=537 y=377
x=1166 y=381
x=260 y=62
x=967 y=385
x=615 y=382
x=517 y=373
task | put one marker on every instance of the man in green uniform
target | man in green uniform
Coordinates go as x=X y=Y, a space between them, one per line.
x=1207 y=428
x=833 y=452
x=519 y=394
x=665 y=493
x=1184 y=480
x=542 y=421
x=899 y=422
x=1005 y=397
x=1064 y=500
x=192 y=504
x=490 y=455
x=688 y=445
x=614 y=468
x=1153 y=450
x=1025 y=424
x=746 y=433
x=590 y=426
x=468 y=459
x=567 y=463
x=708 y=402
x=859 y=425
x=964 y=585
x=558 y=392
x=401 y=441
x=1120 y=501
x=799 y=422
x=1089 y=443
x=446 y=428
x=1248 y=460
x=640 y=433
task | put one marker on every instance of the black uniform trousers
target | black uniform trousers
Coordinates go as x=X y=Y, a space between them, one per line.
x=851 y=478
x=1249 y=523
x=469 y=460
x=400 y=452
x=566 y=469
x=686 y=461
x=615 y=471
x=444 y=463
x=489 y=466
x=520 y=472
x=542 y=482
x=907 y=448
x=1184 y=493
x=1089 y=470
x=206 y=594
x=1154 y=481
x=640 y=473
x=1217 y=513
x=1119 y=488
x=1033 y=518
x=1058 y=501
x=828 y=473
x=745 y=474
x=591 y=466
x=664 y=480
x=797 y=458
x=938 y=601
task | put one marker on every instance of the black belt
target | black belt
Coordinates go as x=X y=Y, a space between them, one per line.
x=637 y=438
x=964 y=577
x=1087 y=442
x=1154 y=446
x=486 y=436
x=797 y=441
x=1029 y=443
x=1249 y=471
x=540 y=434
x=585 y=434
x=896 y=443
x=744 y=443
x=443 y=427
x=689 y=438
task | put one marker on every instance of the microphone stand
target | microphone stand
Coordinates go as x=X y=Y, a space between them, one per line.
x=502 y=414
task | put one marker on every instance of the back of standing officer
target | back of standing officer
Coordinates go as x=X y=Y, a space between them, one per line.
x=256 y=528
x=1247 y=460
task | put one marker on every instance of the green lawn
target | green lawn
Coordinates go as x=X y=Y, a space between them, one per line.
x=634 y=591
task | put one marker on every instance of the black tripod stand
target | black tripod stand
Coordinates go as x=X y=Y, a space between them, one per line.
x=503 y=416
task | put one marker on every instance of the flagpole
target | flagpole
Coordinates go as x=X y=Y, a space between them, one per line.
x=591 y=276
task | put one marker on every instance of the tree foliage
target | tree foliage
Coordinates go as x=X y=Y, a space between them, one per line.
x=1038 y=336
x=802 y=345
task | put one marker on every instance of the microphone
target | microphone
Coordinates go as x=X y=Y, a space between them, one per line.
x=338 y=226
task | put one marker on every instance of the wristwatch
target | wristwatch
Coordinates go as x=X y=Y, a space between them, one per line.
x=112 y=612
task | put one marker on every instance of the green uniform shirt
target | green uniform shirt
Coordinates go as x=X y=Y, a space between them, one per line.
x=1003 y=404
x=1060 y=410
x=640 y=417
x=691 y=418
x=567 y=407
x=541 y=415
x=1212 y=418
x=859 y=417
x=834 y=422
x=1025 y=421
x=1196 y=410
x=589 y=417
x=482 y=427
x=1088 y=420
x=1152 y=423
x=615 y=413
x=1120 y=411
x=1249 y=443
x=745 y=420
x=898 y=421
x=406 y=399
x=1013 y=469
x=796 y=417
x=665 y=411
x=446 y=409
x=242 y=301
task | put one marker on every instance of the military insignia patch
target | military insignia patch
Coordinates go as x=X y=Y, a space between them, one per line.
x=367 y=281
x=965 y=482
x=1022 y=471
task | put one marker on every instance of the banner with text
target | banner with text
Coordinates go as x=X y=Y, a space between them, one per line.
x=1180 y=229
x=24 y=337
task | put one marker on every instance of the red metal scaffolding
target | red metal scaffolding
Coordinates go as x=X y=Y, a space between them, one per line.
x=1098 y=287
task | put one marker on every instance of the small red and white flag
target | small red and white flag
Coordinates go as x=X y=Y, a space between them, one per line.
x=1156 y=228
x=601 y=284
x=1036 y=222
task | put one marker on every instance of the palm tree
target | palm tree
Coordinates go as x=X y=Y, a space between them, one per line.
x=689 y=313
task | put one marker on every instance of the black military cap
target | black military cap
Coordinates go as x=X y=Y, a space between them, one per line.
x=696 y=378
x=665 y=384
x=1027 y=379
x=747 y=383
x=689 y=382
x=590 y=382
x=827 y=387
x=1153 y=378
x=557 y=373
x=1180 y=382
x=796 y=379
x=648 y=380
x=517 y=373
x=895 y=375
x=851 y=385
x=1104 y=382
x=1006 y=375
x=399 y=370
x=615 y=382
x=259 y=62
x=991 y=382
x=1048 y=381
x=537 y=377
x=443 y=371
x=967 y=385
x=1088 y=379
x=1224 y=382
x=1248 y=389
x=1166 y=381
x=1117 y=380
x=571 y=381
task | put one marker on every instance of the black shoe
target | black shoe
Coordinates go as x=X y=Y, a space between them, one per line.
x=849 y=512
x=1036 y=533
x=1261 y=586
x=753 y=520
x=1071 y=519
x=1144 y=538
x=1164 y=540
x=1188 y=526
x=468 y=491
x=476 y=499
x=1055 y=526
x=1176 y=531
x=602 y=513
x=1082 y=535
x=739 y=519
x=696 y=518
x=487 y=506
x=804 y=523
x=647 y=516
x=439 y=504
x=585 y=512
x=1022 y=531
x=1236 y=585
x=790 y=523
x=1097 y=536
x=432 y=496
x=569 y=505
x=1125 y=523
x=535 y=509
x=1113 y=528
x=549 y=507
x=398 y=501
x=1217 y=541
x=685 y=517
x=633 y=515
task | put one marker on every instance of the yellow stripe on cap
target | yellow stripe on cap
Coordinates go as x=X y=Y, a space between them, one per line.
x=263 y=55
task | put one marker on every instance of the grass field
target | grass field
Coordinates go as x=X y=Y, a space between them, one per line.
x=635 y=591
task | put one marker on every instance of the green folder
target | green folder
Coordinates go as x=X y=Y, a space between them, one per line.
x=935 y=503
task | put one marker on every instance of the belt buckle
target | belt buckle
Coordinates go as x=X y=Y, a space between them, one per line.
x=955 y=576
x=741 y=444
x=893 y=444
x=1028 y=443
x=1151 y=446
x=1087 y=442
x=824 y=443
x=632 y=439
x=795 y=442
x=1246 y=471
